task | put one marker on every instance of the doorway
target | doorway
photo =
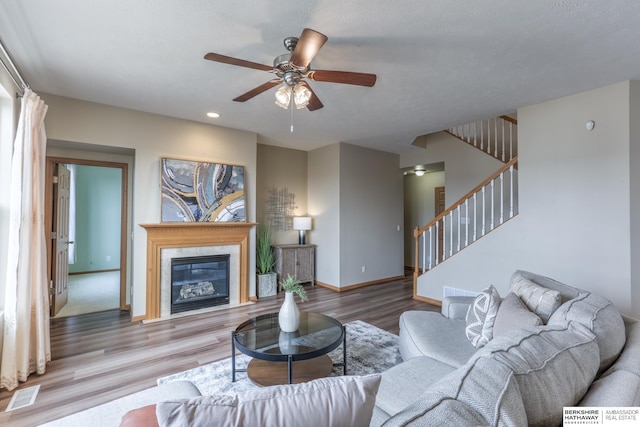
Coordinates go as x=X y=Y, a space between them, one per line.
x=98 y=270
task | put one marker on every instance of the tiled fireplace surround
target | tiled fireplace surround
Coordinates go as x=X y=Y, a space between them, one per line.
x=169 y=240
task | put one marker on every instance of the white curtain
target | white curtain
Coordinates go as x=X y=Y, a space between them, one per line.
x=26 y=313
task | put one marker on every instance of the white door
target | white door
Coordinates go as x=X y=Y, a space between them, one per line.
x=60 y=264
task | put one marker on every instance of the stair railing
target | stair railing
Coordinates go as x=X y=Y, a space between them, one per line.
x=489 y=205
x=497 y=137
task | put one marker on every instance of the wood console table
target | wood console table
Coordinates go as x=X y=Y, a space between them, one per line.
x=297 y=261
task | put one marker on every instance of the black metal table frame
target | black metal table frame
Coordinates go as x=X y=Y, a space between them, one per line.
x=289 y=358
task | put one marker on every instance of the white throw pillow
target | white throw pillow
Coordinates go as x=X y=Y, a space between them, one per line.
x=481 y=316
x=540 y=300
x=334 y=401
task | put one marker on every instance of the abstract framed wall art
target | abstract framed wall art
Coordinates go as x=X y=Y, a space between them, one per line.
x=201 y=192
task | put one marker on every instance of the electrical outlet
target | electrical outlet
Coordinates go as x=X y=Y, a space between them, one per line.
x=108 y=257
x=363 y=269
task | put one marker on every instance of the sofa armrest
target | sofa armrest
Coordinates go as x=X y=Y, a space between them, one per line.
x=456 y=307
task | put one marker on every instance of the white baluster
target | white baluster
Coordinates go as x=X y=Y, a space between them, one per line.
x=458 y=209
x=475 y=216
x=492 y=204
x=437 y=243
x=475 y=134
x=511 y=201
x=430 y=247
x=466 y=226
x=482 y=134
x=450 y=233
x=501 y=198
x=484 y=209
x=495 y=137
x=502 y=121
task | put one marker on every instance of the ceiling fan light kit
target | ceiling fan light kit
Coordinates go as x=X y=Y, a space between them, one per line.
x=291 y=70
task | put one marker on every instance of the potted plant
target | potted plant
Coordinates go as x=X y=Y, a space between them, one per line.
x=265 y=261
x=289 y=315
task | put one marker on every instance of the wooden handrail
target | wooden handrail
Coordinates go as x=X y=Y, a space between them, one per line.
x=418 y=231
x=509 y=119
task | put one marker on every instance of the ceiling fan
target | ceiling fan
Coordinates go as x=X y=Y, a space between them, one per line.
x=292 y=69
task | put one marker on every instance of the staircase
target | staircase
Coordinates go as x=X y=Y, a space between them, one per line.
x=497 y=137
x=487 y=206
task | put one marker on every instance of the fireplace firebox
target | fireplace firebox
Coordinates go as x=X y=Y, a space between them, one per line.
x=199 y=282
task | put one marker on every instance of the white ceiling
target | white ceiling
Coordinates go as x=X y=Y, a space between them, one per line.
x=439 y=63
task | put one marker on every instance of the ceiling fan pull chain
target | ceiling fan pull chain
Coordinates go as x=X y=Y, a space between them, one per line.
x=291 y=105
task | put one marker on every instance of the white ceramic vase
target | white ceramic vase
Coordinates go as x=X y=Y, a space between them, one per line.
x=289 y=315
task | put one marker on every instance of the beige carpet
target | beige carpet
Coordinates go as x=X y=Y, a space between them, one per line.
x=92 y=292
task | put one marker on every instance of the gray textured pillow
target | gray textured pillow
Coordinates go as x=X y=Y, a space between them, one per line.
x=602 y=318
x=541 y=301
x=335 y=401
x=513 y=314
x=481 y=316
x=554 y=366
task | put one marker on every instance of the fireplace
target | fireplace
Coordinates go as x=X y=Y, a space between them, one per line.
x=174 y=240
x=199 y=282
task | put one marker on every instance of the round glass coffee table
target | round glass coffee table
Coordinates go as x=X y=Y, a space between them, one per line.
x=304 y=351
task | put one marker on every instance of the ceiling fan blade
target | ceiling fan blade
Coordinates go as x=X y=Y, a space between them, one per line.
x=257 y=91
x=345 y=77
x=314 y=101
x=235 y=61
x=309 y=44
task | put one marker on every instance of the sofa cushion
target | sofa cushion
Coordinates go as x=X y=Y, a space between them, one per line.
x=620 y=384
x=428 y=333
x=513 y=314
x=540 y=300
x=481 y=315
x=481 y=392
x=601 y=317
x=618 y=388
x=405 y=382
x=628 y=359
x=553 y=366
x=347 y=401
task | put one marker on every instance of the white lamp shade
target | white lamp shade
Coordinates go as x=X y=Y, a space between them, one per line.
x=302 y=223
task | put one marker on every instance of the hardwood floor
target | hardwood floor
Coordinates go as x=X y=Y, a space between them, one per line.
x=103 y=356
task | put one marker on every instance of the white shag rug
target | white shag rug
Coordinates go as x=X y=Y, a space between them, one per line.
x=369 y=350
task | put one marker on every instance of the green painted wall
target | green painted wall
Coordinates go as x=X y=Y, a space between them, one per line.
x=97 y=218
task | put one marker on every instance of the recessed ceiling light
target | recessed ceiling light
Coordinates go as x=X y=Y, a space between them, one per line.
x=213 y=115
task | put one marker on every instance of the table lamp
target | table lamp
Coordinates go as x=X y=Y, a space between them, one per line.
x=302 y=223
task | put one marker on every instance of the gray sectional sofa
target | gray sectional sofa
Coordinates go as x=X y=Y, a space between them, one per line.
x=585 y=354
x=488 y=360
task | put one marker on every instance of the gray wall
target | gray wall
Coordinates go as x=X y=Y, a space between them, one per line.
x=355 y=196
x=323 y=204
x=153 y=137
x=575 y=205
x=371 y=215
x=98 y=211
x=281 y=168
x=634 y=191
